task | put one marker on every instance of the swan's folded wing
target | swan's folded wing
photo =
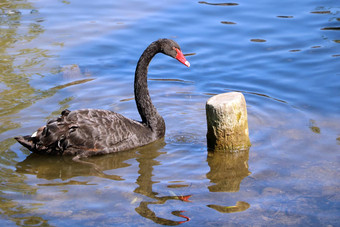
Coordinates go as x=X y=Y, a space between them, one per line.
x=102 y=131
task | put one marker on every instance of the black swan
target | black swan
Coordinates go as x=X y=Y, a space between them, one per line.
x=88 y=132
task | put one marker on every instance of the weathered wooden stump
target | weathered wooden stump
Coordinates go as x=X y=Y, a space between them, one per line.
x=227 y=122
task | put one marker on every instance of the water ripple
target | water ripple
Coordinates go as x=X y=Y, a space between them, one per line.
x=218 y=4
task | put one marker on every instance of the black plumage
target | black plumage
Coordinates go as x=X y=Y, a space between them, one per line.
x=88 y=132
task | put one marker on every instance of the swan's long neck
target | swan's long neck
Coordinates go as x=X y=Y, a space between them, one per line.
x=146 y=109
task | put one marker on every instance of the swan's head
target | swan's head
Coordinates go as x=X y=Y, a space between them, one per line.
x=171 y=48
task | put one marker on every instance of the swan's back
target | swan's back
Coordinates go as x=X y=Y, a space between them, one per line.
x=89 y=132
x=104 y=131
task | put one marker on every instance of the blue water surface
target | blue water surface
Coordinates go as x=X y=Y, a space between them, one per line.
x=283 y=56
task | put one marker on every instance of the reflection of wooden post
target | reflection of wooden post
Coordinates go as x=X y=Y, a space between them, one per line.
x=227 y=170
x=227 y=122
x=239 y=207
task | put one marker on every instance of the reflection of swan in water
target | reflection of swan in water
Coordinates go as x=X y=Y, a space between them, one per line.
x=145 y=211
x=61 y=167
x=144 y=181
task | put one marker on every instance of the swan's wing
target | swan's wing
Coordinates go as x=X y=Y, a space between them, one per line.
x=102 y=131
x=87 y=132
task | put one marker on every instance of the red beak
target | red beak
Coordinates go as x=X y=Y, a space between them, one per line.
x=180 y=57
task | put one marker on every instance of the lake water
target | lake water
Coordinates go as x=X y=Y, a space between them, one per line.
x=284 y=56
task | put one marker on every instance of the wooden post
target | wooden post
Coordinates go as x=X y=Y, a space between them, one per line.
x=227 y=122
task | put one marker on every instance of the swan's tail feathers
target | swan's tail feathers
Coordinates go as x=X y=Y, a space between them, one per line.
x=48 y=139
x=26 y=141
